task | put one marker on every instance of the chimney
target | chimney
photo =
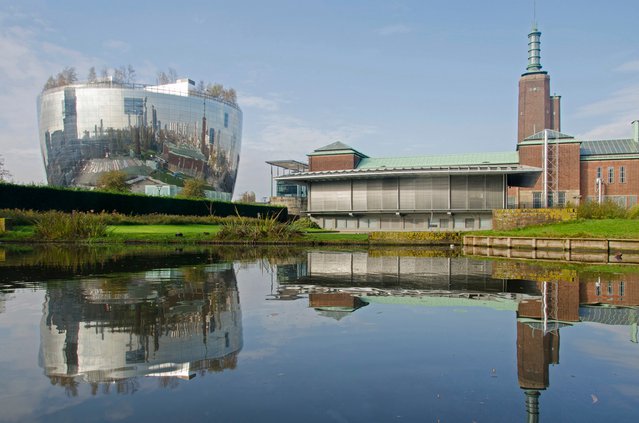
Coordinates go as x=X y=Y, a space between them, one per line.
x=635 y=130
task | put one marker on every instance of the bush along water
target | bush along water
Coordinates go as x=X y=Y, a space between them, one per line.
x=606 y=210
x=58 y=226
x=252 y=230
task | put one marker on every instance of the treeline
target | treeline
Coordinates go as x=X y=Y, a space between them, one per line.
x=127 y=75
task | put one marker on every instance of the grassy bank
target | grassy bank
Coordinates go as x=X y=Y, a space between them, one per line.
x=585 y=228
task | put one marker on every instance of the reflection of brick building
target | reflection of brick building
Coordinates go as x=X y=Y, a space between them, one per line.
x=619 y=290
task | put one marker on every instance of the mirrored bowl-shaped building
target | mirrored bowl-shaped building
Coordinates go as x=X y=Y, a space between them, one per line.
x=168 y=133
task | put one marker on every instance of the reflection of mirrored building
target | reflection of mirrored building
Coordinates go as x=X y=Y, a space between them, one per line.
x=169 y=132
x=169 y=324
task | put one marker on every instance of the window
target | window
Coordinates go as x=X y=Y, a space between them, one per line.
x=536 y=200
x=611 y=175
x=610 y=292
x=621 y=289
x=469 y=223
x=561 y=200
x=599 y=172
x=226 y=120
x=443 y=223
x=622 y=174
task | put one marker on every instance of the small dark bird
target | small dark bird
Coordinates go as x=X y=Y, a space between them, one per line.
x=207 y=233
x=179 y=234
x=618 y=255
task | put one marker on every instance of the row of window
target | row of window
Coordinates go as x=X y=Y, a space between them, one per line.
x=610 y=290
x=560 y=200
x=611 y=174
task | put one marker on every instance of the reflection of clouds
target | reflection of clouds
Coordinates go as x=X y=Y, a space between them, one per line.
x=121 y=412
x=607 y=351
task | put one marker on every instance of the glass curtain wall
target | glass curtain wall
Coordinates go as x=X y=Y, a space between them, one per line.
x=86 y=130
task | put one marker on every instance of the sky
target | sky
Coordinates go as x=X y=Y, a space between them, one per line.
x=389 y=78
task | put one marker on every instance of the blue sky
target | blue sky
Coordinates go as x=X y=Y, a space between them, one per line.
x=390 y=78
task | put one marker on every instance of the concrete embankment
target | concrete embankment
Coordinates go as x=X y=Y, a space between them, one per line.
x=564 y=249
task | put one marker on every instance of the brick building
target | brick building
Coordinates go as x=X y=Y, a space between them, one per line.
x=573 y=170
x=346 y=189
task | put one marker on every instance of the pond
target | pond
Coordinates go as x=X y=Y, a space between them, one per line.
x=236 y=334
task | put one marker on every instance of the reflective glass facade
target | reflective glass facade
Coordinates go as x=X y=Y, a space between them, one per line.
x=170 y=132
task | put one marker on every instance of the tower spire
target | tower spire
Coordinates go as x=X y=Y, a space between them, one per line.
x=534 y=50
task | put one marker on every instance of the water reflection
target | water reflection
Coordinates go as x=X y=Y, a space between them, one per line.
x=173 y=323
x=545 y=298
x=168 y=315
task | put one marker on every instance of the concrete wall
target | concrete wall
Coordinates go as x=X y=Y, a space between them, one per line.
x=507 y=219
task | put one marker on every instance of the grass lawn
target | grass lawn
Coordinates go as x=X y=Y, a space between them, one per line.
x=603 y=228
x=335 y=237
x=161 y=232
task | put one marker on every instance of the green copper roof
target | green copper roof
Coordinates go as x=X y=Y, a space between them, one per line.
x=473 y=159
x=552 y=135
x=606 y=147
x=337 y=147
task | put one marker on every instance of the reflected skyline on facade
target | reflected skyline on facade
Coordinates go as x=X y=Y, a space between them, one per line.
x=170 y=323
x=167 y=132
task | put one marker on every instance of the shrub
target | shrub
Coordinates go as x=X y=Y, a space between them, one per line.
x=252 y=230
x=633 y=213
x=114 y=181
x=305 y=223
x=193 y=188
x=606 y=210
x=57 y=226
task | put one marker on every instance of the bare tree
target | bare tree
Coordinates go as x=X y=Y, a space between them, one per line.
x=130 y=74
x=119 y=75
x=104 y=73
x=69 y=75
x=51 y=83
x=92 y=77
x=173 y=76
x=215 y=90
x=162 y=78
x=4 y=173
x=230 y=95
x=201 y=87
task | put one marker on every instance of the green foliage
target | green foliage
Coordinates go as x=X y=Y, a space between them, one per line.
x=114 y=181
x=39 y=198
x=606 y=210
x=193 y=188
x=633 y=213
x=252 y=230
x=305 y=223
x=58 y=226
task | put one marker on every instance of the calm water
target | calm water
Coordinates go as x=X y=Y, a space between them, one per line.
x=241 y=335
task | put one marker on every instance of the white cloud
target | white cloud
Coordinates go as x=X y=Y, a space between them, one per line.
x=394 y=30
x=28 y=59
x=615 y=114
x=632 y=66
x=280 y=136
x=258 y=103
x=117 y=45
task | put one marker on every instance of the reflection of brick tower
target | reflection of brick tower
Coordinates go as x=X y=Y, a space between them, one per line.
x=538 y=341
x=538 y=110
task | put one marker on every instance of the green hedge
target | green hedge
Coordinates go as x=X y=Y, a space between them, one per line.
x=40 y=198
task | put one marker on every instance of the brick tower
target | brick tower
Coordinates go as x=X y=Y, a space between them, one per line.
x=538 y=110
